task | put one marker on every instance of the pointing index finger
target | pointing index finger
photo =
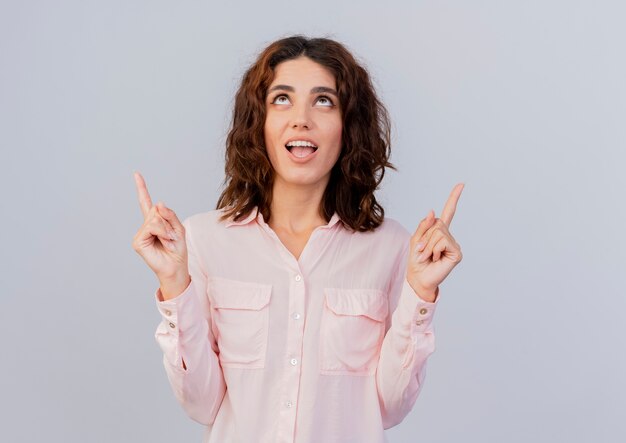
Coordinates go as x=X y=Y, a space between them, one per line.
x=145 y=202
x=450 y=207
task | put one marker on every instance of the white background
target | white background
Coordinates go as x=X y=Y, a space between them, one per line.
x=522 y=101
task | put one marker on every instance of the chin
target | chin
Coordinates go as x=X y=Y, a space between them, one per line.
x=301 y=180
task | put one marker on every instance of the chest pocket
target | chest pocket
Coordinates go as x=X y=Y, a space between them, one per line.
x=352 y=330
x=240 y=316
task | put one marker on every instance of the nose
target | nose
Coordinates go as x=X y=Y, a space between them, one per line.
x=300 y=117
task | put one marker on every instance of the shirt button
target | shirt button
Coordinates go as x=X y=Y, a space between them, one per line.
x=419 y=322
x=168 y=312
x=298 y=277
x=289 y=404
x=296 y=316
x=172 y=325
x=294 y=361
x=423 y=311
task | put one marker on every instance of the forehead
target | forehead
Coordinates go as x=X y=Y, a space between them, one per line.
x=303 y=71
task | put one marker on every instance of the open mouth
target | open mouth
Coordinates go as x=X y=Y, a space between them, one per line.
x=301 y=151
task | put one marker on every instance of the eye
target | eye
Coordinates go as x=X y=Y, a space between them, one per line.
x=277 y=97
x=328 y=100
x=325 y=100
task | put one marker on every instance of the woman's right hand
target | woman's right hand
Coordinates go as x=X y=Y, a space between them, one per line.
x=161 y=240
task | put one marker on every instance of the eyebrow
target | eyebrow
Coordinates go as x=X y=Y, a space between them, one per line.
x=314 y=90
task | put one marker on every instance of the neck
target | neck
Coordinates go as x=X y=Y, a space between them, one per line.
x=295 y=208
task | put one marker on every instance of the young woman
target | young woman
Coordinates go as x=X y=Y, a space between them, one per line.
x=295 y=311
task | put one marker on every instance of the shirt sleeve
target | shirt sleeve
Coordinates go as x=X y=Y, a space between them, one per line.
x=185 y=333
x=408 y=343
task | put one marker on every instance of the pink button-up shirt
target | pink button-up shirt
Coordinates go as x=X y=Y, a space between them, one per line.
x=331 y=347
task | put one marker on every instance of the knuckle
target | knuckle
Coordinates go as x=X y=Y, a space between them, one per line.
x=157 y=225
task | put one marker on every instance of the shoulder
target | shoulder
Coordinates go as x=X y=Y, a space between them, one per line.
x=389 y=235
x=204 y=221
x=392 y=229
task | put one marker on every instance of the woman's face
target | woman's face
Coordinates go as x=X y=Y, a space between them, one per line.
x=302 y=104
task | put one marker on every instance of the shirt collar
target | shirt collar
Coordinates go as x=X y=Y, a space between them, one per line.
x=251 y=216
x=256 y=214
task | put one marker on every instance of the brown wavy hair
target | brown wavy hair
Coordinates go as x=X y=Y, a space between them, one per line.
x=365 y=149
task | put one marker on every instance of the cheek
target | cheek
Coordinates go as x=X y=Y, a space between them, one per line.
x=269 y=136
x=336 y=128
x=331 y=127
x=271 y=130
x=272 y=147
x=337 y=137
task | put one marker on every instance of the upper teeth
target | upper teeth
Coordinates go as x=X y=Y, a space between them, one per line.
x=301 y=143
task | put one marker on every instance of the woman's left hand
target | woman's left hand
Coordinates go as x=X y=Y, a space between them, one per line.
x=433 y=250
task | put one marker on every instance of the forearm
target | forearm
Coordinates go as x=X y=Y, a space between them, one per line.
x=406 y=347
x=190 y=361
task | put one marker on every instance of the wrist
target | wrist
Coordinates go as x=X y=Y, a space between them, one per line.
x=173 y=286
x=427 y=294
